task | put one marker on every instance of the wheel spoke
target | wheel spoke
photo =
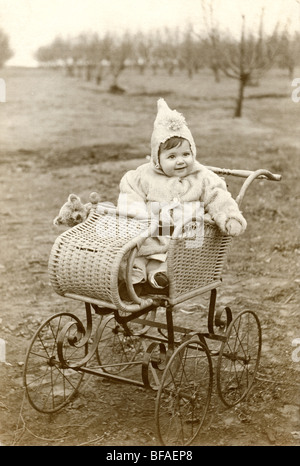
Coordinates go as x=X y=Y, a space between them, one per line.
x=184 y=394
x=117 y=349
x=49 y=383
x=238 y=358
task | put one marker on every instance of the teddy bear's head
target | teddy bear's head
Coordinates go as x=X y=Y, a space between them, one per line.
x=72 y=212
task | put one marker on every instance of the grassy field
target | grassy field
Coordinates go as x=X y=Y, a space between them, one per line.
x=61 y=135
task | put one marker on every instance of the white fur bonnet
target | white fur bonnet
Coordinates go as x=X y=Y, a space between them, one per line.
x=168 y=123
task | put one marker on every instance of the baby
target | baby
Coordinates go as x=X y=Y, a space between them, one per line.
x=173 y=175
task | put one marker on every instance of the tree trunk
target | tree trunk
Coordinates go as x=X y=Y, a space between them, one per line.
x=216 y=73
x=239 y=103
x=190 y=72
x=69 y=70
x=88 y=73
x=98 y=78
x=291 y=71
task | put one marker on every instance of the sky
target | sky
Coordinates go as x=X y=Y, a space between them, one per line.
x=33 y=23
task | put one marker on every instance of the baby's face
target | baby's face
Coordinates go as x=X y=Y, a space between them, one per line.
x=177 y=161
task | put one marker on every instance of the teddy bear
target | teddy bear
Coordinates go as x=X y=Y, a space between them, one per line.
x=74 y=212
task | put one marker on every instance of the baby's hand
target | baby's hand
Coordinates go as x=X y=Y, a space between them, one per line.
x=233 y=227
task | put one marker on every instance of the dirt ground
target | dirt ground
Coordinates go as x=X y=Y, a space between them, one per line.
x=61 y=135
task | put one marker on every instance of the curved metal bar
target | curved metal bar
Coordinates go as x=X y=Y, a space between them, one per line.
x=241 y=173
x=219 y=321
x=151 y=364
x=124 y=320
x=87 y=357
x=257 y=174
x=80 y=341
x=82 y=336
x=211 y=311
x=101 y=311
x=62 y=336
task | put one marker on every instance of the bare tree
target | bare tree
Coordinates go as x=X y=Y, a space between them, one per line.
x=120 y=51
x=245 y=59
x=189 y=53
x=165 y=50
x=5 y=51
x=86 y=53
x=256 y=55
x=57 y=54
x=142 y=50
x=45 y=56
x=289 y=52
x=213 y=49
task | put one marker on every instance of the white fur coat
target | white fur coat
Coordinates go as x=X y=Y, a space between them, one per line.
x=145 y=184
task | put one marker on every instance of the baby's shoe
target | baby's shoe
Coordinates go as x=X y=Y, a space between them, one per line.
x=158 y=279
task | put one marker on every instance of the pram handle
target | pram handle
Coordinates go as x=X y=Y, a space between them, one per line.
x=261 y=173
x=250 y=177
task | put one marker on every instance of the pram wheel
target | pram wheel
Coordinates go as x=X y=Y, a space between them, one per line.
x=49 y=382
x=184 y=394
x=239 y=358
x=117 y=347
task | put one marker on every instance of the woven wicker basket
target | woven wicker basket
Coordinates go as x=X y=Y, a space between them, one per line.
x=196 y=268
x=85 y=260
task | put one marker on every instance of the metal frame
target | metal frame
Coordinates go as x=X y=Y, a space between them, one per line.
x=84 y=334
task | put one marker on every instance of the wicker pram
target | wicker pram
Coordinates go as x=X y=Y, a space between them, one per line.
x=85 y=260
x=125 y=334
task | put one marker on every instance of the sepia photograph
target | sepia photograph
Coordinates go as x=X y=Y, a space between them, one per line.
x=150 y=233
